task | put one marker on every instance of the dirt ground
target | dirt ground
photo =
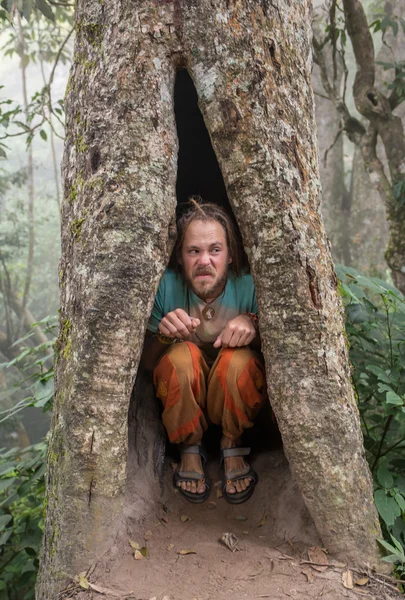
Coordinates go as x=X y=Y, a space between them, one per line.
x=274 y=533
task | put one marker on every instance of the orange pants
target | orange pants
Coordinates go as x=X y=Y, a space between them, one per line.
x=230 y=393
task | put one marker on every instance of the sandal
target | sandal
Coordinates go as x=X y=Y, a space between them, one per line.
x=180 y=476
x=236 y=474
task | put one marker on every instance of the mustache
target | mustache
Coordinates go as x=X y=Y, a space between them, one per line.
x=203 y=271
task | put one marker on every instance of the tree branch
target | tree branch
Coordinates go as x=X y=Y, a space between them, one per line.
x=363 y=47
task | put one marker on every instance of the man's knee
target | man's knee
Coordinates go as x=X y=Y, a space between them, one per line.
x=236 y=358
x=182 y=355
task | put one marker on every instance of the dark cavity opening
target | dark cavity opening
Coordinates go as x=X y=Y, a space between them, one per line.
x=198 y=168
x=198 y=173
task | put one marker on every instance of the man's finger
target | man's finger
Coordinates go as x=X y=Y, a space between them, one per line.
x=244 y=339
x=226 y=337
x=167 y=328
x=182 y=328
x=218 y=342
x=185 y=319
x=234 y=339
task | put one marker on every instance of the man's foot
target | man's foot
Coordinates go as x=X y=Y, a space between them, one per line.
x=190 y=477
x=192 y=462
x=235 y=486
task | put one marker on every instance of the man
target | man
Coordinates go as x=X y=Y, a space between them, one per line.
x=204 y=322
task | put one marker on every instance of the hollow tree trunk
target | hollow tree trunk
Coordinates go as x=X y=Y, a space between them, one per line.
x=251 y=64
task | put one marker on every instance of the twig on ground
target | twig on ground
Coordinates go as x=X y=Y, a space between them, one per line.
x=388 y=585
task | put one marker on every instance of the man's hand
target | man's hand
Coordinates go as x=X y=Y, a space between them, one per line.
x=178 y=324
x=238 y=332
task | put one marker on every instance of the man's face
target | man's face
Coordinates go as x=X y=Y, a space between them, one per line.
x=205 y=258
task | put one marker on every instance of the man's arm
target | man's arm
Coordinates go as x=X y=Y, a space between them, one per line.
x=238 y=332
x=177 y=324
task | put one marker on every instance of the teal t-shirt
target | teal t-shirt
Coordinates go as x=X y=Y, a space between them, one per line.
x=238 y=297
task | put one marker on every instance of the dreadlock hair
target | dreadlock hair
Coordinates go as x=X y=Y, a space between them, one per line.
x=206 y=211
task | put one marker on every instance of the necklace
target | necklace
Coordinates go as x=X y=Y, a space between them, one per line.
x=208 y=312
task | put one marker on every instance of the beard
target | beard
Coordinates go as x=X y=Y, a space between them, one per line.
x=205 y=289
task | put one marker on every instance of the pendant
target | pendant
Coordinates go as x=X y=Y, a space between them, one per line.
x=208 y=313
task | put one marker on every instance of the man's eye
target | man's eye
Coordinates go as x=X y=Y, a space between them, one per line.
x=216 y=250
x=193 y=251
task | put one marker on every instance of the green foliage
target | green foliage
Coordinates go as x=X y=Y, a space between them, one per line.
x=22 y=488
x=8 y=8
x=375 y=323
x=383 y=22
x=398 y=84
x=399 y=187
x=38 y=40
x=37 y=370
x=22 y=485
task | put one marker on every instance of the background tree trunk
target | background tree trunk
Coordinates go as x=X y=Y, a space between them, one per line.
x=335 y=198
x=251 y=65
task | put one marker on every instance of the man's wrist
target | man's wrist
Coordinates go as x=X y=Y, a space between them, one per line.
x=254 y=319
x=165 y=339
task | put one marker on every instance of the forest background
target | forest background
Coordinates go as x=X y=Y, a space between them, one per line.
x=362 y=213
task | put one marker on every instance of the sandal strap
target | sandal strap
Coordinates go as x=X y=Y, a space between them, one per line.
x=229 y=452
x=237 y=473
x=184 y=449
x=194 y=475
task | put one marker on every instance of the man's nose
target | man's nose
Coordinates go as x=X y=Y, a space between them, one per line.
x=204 y=258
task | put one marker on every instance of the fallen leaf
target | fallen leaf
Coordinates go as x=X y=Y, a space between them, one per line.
x=245 y=532
x=309 y=575
x=83 y=582
x=174 y=465
x=361 y=581
x=241 y=518
x=134 y=545
x=138 y=555
x=211 y=504
x=347 y=579
x=170 y=547
x=147 y=535
x=317 y=555
x=219 y=493
x=231 y=541
x=263 y=521
x=144 y=551
x=164 y=519
x=183 y=552
x=184 y=518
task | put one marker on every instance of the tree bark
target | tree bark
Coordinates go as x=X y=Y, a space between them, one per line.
x=251 y=65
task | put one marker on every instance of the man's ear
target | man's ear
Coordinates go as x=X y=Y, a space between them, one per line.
x=229 y=260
